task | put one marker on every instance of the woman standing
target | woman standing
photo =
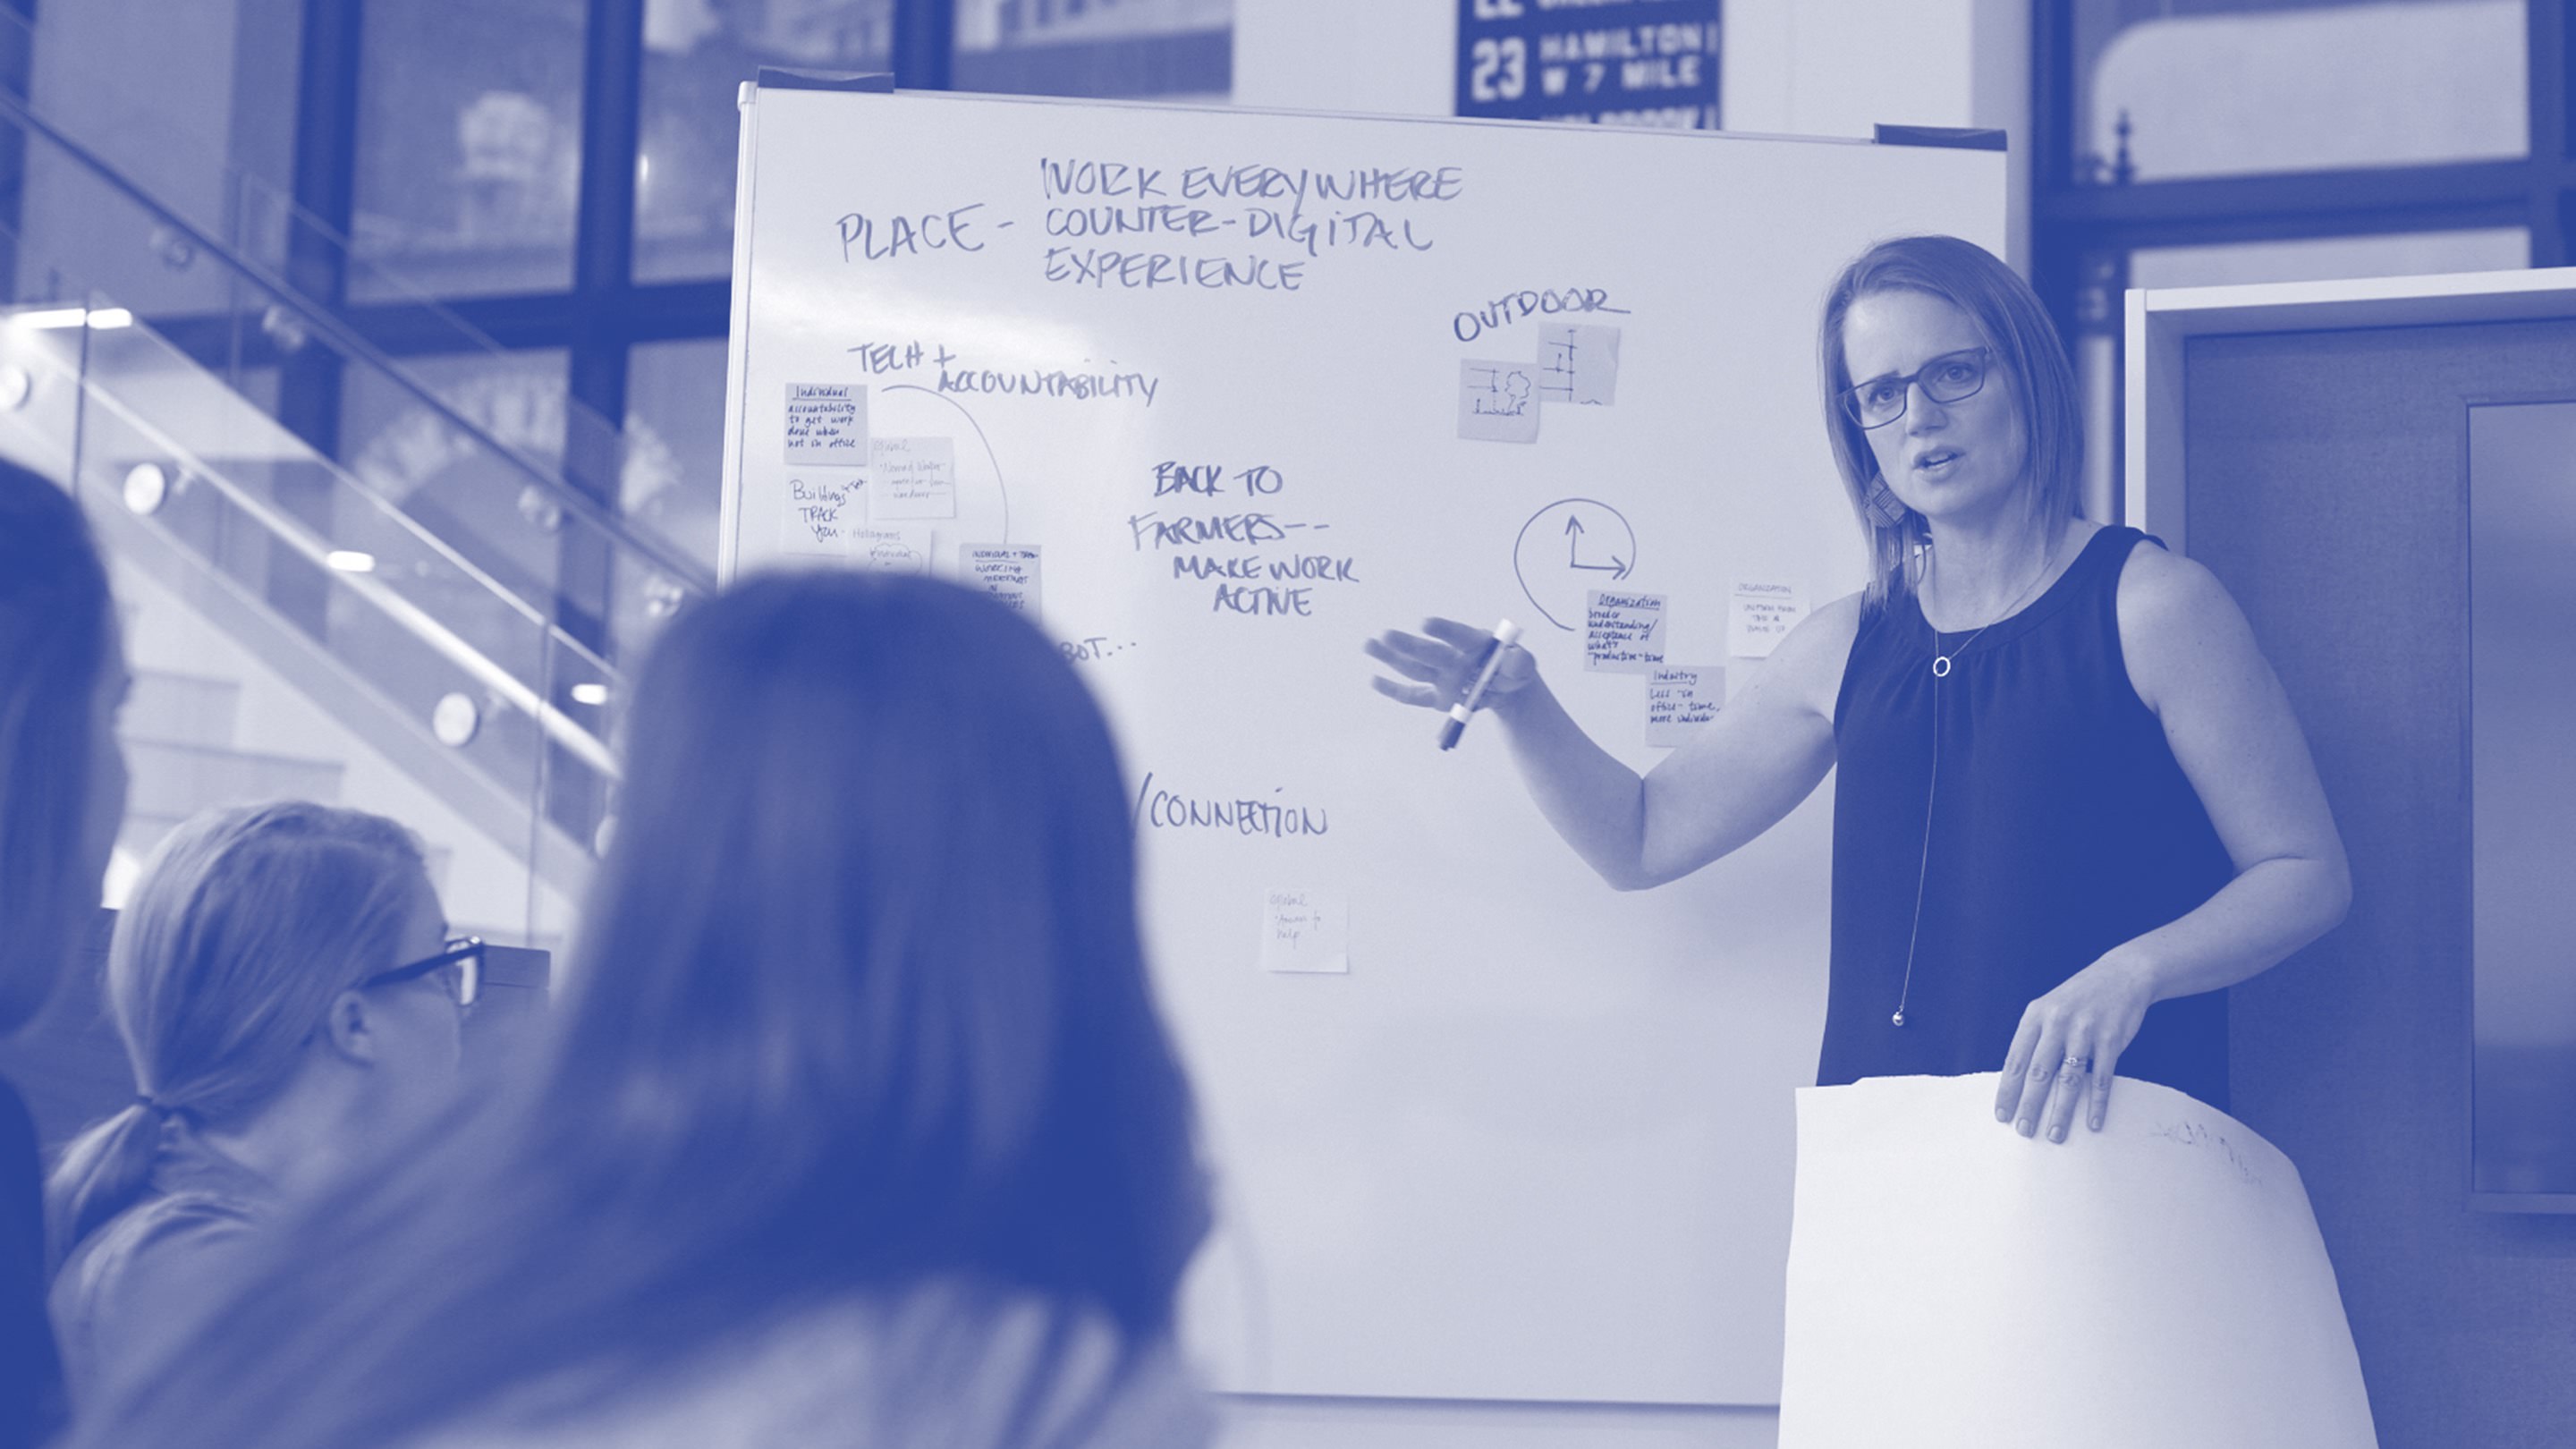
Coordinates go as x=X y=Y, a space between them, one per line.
x=860 y=1127
x=62 y=795
x=2073 y=800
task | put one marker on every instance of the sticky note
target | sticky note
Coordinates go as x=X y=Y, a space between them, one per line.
x=1578 y=364
x=912 y=478
x=1681 y=700
x=822 y=510
x=1007 y=571
x=1760 y=616
x=1623 y=633
x=890 y=548
x=1498 y=401
x=1304 y=930
x=827 y=423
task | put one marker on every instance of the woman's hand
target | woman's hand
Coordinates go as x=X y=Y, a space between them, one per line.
x=2075 y=1031
x=1443 y=666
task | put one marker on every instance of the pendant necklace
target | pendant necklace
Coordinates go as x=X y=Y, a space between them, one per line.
x=1941 y=670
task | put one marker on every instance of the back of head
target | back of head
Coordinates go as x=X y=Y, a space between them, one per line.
x=246 y=923
x=859 y=1005
x=2026 y=350
x=55 y=633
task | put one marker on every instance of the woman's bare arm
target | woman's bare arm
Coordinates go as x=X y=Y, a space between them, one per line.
x=1765 y=751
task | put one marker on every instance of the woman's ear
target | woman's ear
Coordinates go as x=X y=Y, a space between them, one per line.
x=349 y=1030
x=1884 y=507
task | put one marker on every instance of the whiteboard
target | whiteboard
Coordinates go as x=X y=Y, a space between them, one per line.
x=1535 y=1141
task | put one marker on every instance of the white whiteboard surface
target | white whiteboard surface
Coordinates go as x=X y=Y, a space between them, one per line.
x=1535 y=1142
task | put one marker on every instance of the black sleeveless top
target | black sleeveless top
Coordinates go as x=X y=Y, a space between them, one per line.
x=2062 y=827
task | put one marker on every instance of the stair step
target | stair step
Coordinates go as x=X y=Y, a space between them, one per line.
x=176 y=779
x=184 y=708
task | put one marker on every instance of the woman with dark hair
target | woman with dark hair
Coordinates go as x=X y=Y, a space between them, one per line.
x=2073 y=802
x=62 y=795
x=860 y=1125
x=287 y=995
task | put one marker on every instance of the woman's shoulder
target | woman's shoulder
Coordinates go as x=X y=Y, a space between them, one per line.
x=947 y=1365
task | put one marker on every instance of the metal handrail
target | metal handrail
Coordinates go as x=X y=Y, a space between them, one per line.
x=557 y=726
x=355 y=345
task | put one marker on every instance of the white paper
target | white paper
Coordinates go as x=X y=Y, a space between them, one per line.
x=1007 y=571
x=911 y=478
x=1954 y=1285
x=1578 y=364
x=827 y=422
x=1304 y=930
x=1498 y=401
x=1760 y=616
x=1623 y=632
x=894 y=549
x=822 y=515
x=1682 y=700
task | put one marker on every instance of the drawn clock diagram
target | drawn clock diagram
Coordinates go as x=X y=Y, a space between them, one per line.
x=1569 y=548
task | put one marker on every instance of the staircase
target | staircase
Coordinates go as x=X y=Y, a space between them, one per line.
x=300 y=626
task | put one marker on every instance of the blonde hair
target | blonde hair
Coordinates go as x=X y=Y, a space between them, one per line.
x=246 y=924
x=2026 y=353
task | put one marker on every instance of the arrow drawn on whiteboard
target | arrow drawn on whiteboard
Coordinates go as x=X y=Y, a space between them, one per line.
x=1555 y=582
x=989 y=456
x=1616 y=568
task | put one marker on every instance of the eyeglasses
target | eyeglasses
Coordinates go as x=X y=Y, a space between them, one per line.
x=459 y=969
x=1948 y=378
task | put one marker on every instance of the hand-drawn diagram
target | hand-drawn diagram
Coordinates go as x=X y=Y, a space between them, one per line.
x=1498 y=401
x=1567 y=549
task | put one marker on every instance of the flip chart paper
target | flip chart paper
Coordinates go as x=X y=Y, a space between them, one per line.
x=1681 y=701
x=911 y=478
x=1498 y=401
x=822 y=512
x=1760 y=616
x=1623 y=633
x=892 y=549
x=1304 y=930
x=1954 y=1285
x=1578 y=364
x=1007 y=571
x=827 y=423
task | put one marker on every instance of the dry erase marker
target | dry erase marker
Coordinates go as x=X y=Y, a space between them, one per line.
x=1506 y=634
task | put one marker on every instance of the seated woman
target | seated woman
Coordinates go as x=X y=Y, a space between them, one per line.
x=286 y=995
x=859 y=1125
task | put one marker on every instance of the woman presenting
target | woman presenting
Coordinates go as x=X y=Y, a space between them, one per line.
x=2073 y=802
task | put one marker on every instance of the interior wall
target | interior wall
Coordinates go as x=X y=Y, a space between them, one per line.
x=2326 y=487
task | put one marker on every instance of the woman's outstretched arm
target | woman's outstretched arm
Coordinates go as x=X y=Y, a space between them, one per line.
x=1763 y=753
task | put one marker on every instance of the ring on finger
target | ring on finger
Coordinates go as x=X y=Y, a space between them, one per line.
x=2076 y=1066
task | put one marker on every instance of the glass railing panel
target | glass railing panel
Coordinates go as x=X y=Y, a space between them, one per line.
x=246 y=283
x=470 y=672
x=470 y=453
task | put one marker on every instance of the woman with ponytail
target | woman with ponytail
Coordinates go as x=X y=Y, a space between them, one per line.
x=282 y=983
x=62 y=793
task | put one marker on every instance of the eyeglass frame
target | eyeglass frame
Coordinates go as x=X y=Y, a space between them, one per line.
x=1906 y=384
x=465 y=952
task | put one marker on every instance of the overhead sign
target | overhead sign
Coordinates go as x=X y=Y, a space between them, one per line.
x=1602 y=62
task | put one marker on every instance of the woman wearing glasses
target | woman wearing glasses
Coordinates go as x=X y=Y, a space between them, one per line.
x=288 y=999
x=859 y=1125
x=2072 y=802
